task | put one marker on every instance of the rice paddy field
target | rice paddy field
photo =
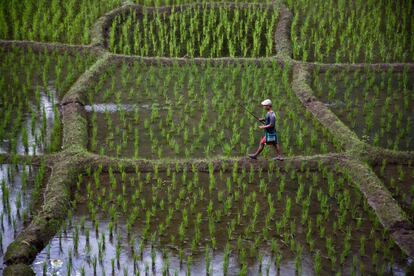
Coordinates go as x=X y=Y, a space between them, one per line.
x=21 y=192
x=353 y=31
x=125 y=130
x=378 y=106
x=196 y=32
x=51 y=20
x=196 y=109
x=399 y=180
x=32 y=85
x=220 y=223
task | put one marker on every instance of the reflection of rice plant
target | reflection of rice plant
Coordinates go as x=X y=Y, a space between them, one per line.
x=32 y=85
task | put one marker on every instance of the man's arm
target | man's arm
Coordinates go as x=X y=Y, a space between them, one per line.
x=265 y=126
x=271 y=124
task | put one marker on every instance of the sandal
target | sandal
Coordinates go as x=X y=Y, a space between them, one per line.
x=252 y=156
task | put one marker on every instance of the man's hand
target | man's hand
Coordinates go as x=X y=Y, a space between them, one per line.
x=262 y=120
x=262 y=127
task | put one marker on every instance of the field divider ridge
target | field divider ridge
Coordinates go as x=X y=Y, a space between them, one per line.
x=65 y=166
x=75 y=133
x=352 y=67
x=49 y=47
x=203 y=165
x=375 y=156
x=301 y=87
x=359 y=154
x=167 y=61
x=46 y=223
x=387 y=209
x=283 y=44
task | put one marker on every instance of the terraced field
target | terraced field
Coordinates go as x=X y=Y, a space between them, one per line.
x=123 y=143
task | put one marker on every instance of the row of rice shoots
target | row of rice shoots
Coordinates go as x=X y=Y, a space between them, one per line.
x=237 y=222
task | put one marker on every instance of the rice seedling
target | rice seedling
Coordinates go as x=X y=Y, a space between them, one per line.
x=165 y=113
x=51 y=20
x=376 y=105
x=32 y=85
x=203 y=32
x=399 y=180
x=181 y=236
x=19 y=191
x=364 y=31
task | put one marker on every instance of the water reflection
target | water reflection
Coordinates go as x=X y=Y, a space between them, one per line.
x=113 y=108
x=91 y=256
x=15 y=197
x=44 y=114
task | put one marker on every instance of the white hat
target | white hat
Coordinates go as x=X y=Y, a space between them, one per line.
x=267 y=102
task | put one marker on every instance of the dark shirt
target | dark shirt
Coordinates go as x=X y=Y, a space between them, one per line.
x=270 y=119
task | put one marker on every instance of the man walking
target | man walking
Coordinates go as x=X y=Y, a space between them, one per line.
x=269 y=127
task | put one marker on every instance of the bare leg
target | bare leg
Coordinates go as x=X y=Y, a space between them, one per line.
x=258 y=151
x=278 y=151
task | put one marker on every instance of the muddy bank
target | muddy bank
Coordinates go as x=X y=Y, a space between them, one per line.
x=302 y=89
x=282 y=34
x=312 y=163
x=47 y=222
x=18 y=269
x=75 y=134
x=50 y=47
x=76 y=93
x=393 y=67
x=166 y=61
x=389 y=212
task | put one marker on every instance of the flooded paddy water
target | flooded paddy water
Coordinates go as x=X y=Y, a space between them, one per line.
x=330 y=31
x=196 y=223
x=142 y=111
x=33 y=85
x=399 y=179
x=378 y=106
x=28 y=141
x=21 y=190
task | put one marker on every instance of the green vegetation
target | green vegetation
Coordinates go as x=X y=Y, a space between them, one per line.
x=399 y=179
x=376 y=105
x=159 y=3
x=353 y=31
x=195 y=32
x=31 y=85
x=217 y=214
x=20 y=191
x=177 y=221
x=193 y=111
x=51 y=20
